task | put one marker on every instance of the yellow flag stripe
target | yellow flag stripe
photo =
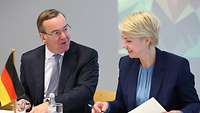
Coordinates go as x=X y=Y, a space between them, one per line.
x=4 y=97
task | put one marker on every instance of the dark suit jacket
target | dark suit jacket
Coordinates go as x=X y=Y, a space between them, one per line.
x=78 y=79
x=172 y=84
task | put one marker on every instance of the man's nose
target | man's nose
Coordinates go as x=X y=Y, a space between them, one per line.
x=63 y=34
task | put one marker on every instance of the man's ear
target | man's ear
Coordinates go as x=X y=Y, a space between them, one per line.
x=42 y=37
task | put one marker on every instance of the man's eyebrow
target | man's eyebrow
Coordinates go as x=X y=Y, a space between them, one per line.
x=58 y=29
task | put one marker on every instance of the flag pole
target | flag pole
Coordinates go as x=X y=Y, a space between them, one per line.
x=14 y=53
x=14 y=103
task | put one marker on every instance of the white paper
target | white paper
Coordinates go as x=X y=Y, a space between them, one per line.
x=21 y=111
x=150 y=106
x=6 y=111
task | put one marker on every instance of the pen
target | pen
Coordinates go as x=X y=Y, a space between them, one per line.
x=94 y=108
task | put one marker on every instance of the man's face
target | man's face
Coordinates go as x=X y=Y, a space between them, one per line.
x=56 y=36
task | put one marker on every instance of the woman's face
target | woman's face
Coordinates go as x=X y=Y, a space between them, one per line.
x=136 y=46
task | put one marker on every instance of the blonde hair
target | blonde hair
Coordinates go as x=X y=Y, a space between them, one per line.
x=140 y=25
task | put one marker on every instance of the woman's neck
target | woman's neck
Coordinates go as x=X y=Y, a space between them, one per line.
x=148 y=57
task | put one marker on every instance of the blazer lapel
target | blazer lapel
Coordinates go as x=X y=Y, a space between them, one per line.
x=131 y=84
x=158 y=74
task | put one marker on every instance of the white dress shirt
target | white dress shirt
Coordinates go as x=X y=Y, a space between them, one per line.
x=49 y=59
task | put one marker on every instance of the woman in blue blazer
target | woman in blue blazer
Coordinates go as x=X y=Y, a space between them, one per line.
x=149 y=72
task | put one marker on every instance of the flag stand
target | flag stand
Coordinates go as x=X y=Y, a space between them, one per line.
x=14 y=106
x=11 y=106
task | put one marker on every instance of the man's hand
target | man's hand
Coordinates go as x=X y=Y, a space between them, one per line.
x=23 y=105
x=42 y=108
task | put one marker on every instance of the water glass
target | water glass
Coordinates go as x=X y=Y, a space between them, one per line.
x=56 y=108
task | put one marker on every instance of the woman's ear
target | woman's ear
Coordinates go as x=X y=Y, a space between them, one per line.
x=148 y=40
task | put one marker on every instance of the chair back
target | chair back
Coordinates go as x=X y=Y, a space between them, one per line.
x=104 y=95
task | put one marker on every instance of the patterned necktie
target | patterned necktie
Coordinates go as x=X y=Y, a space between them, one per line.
x=53 y=84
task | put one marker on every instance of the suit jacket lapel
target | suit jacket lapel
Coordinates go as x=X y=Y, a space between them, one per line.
x=68 y=65
x=158 y=74
x=39 y=74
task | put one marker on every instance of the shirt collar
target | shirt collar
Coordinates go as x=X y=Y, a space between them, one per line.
x=49 y=54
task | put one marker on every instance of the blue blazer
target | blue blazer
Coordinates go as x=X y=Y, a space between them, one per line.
x=78 y=79
x=172 y=84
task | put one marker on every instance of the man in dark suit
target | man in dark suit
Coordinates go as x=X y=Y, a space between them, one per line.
x=78 y=74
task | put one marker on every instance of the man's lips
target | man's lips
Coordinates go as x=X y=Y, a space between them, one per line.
x=63 y=43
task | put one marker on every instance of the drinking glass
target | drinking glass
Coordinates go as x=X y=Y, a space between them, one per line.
x=56 y=108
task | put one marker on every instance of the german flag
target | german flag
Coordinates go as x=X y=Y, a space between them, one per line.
x=10 y=85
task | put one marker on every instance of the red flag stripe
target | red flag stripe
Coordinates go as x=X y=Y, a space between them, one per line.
x=6 y=80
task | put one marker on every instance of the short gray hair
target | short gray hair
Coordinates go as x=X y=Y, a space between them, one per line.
x=46 y=15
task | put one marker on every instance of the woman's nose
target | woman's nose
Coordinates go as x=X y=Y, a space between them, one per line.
x=124 y=45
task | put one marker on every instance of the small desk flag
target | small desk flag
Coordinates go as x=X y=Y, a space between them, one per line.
x=10 y=85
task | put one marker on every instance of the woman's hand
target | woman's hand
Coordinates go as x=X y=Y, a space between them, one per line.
x=100 y=107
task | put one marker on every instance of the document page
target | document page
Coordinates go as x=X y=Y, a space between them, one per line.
x=150 y=106
x=6 y=111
